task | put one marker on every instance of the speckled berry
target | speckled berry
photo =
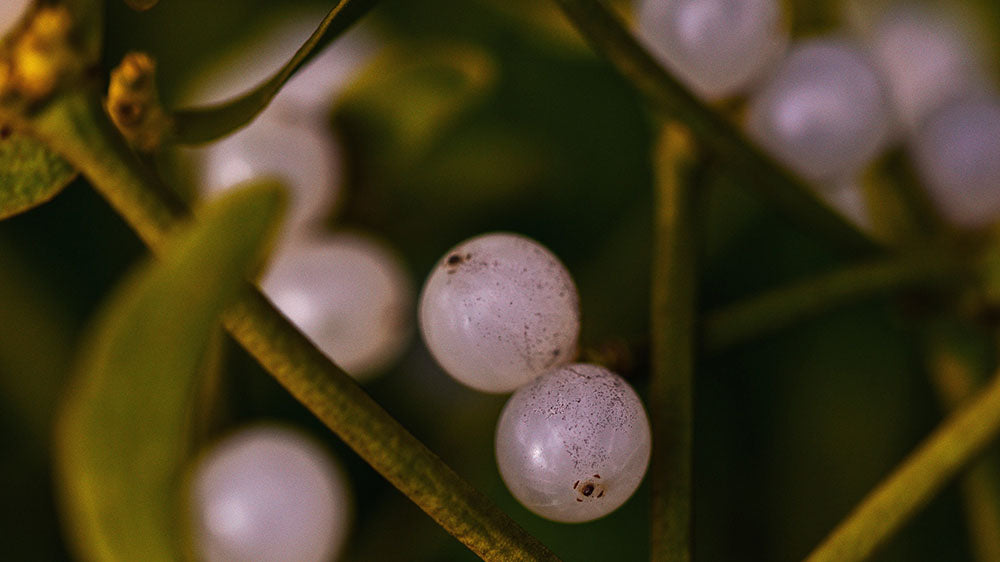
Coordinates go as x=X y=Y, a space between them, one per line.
x=574 y=444
x=499 y=310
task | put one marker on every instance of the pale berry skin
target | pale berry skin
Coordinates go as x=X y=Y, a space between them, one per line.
x=350 y=294
x=926 y=60
x=957 y=152
x=574 y=444
x=305 y=159
x=499 y=310
x=268 y=493
x=11 y=13
x=824 y=113
x=720 y=48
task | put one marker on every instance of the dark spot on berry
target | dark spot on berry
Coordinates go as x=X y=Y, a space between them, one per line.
x=579 y=500
x=454 y=259
x=597 y=476
x=575 y=484
x=587 y=490
x=601 y=495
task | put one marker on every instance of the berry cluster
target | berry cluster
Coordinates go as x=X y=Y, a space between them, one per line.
x=500 y=312
x=347 y=291
x=826 y=107
x=267 y=492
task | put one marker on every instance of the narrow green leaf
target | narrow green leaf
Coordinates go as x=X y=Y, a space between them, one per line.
x=124 y=429
x=204 y=124
x=30 y=174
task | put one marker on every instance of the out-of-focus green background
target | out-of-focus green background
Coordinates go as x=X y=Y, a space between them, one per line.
x=791 y=431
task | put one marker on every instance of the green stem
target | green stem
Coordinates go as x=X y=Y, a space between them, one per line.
x=672 y=320
x=77 y=128
x=956 y=376
x=783 y=307
x=609 y=36
x=940 y=458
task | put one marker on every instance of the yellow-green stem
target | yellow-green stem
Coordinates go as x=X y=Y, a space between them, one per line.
x=672 y=321
x=956 y=376
x=77 y=128
x=954 y=445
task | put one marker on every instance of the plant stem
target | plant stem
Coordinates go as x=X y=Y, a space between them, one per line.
x=956 y=376
x=77 y=128
x=956 y=443
x=783 y=307
x=672 y=320
x=609 y=36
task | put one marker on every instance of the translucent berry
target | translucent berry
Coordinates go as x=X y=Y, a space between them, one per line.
x=499 y=310
x=824 y=113
x=11 y=12
x=268 y=493
x=926 y=61
x=957 y=151
x=306 y=159
x=349 y=294
x=718 y=47
x=574 y=444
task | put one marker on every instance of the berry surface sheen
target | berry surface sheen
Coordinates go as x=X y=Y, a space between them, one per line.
x=718 y=47
x=573 y=445
x=825 y=113
x=957 y=152
x=269 y=493
x=499 y=310
x=349 y=294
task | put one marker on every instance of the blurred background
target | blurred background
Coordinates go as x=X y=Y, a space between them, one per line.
x=544 y=139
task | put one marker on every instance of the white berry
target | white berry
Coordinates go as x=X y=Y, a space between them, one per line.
x=718 y=47
x=925 y=60
x=11 y=12
x=499 y=310
x=349 y=294
x=824 y=113
x=268 y=493
x=957 y=151
x=573 y=445
x=306 y=159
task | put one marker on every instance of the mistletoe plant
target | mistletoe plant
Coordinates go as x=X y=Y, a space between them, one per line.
x=133 y=413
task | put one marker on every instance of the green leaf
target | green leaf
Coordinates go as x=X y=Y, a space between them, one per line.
x=124 y=430
x=30 y=174
x=204 y=124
